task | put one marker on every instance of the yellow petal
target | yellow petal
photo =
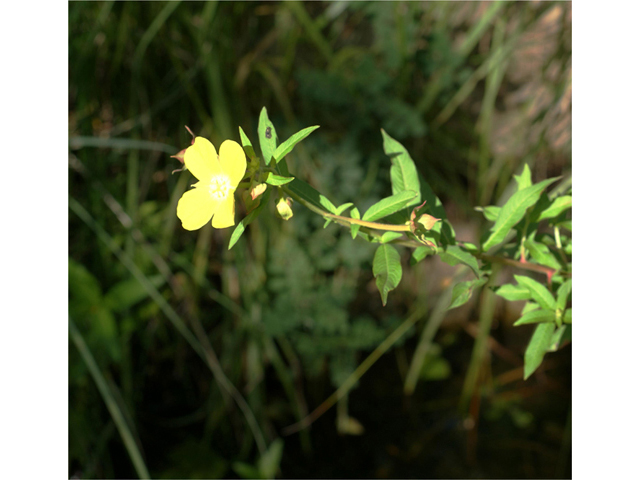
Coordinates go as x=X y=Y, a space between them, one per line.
x=201 y=159
x=225 y=215
x=196 y=207
x=233 y=161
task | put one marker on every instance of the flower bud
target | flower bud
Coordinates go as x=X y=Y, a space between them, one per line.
x=284 y=208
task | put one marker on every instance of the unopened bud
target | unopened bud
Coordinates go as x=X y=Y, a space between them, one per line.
x=284 y=208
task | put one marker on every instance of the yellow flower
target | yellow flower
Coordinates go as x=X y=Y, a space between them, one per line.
x=218 y=177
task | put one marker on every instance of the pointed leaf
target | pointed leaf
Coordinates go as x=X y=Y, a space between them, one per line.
x=277 y=180
x=514 y=210
x=404 y=175
x=326 y=203
x=286 y=147
x=306 y=192
x=462 y=292
x=538 y=346
x=246 y=144
x=342 y=208
x=514 y=292
x=355 y=213
x=558 y=206
x=563 y=294
x=490 y=213
x=267 y=135
x=455 y=255
x=541 y=254
x=524 y=179
x=387 y=270
x=389 y=236
x=536 y=316
x=539 y=292
x=389 y=205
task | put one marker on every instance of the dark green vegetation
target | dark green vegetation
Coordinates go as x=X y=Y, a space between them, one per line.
x=188 y=360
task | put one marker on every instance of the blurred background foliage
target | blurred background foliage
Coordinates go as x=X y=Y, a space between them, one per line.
x=186 y=359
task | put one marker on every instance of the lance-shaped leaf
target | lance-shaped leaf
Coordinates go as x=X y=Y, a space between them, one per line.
x=561 y=337
x=462 y=292
x=514 y=210
x=524 y=179
x=286 y=147
x=387 y=270
x=539 y=292
x=537 y=316
x=563 y=294
x=277 y=180
x=455 y=255
x=389 y=205
x=538 y=346
x=355 y=213
x=404 y=175
x=240 y=228
x=514 y=292
x=490 y=213
x=541 y=254
x=246 y=145
x=306 y=192
x=387 y=237
x=267 y=135
x=558 y=206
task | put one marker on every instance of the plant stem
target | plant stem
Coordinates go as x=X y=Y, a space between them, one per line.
x=347 y=221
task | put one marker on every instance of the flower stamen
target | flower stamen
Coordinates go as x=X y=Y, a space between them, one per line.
x=220 y=187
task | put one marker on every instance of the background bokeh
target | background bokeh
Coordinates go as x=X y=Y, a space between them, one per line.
x=168 y=328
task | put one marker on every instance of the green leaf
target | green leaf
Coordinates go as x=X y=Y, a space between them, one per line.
x=541 y=254
x=306 y=192
x=529 y=307
x=539 y=292
x=327 y=205
x=342 y=208
x=267 y=135
x=404 y=176
x=420 y=253
x=355 y=213
x=567 y=316
x=455 y=255
x=239 y=230
x=246 y=144
x=387 y=270
x=558 y=206
x=513 y=292
x=388 y=205
x=286 y=147
x=490 y=213
x=536 y=316
x=563 y=294
x=270 y=460
x=524 y=179
x=538 y=346
x=561 y=337
x=514 y=210
x=277 y=180
x=390 y=236
x=462 y=292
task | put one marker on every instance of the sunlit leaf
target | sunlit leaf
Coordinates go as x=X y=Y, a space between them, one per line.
x=286 y=147
x=267 y=135
x=404 y=176
x=388 y=205
x=514 y=210
x=536 y=316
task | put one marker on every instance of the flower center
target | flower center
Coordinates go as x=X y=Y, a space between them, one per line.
x=220 y=187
